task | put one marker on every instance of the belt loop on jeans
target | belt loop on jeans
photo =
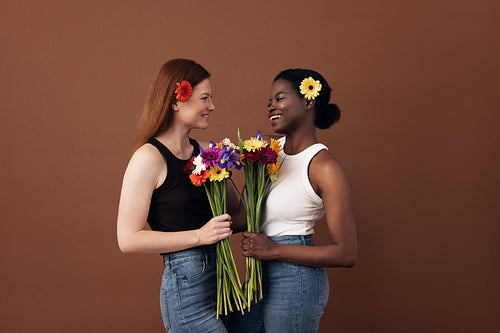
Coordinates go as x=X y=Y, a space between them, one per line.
x=166 y=260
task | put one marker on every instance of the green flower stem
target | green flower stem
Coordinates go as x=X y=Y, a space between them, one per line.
x=228 y=282
x=257 y=187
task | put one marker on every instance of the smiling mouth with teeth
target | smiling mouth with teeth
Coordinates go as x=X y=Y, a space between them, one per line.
x=275 y=117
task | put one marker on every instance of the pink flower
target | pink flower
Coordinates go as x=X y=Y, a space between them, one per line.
x=211 y=156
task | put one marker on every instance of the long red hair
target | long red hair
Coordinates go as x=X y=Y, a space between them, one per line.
x=157 y=112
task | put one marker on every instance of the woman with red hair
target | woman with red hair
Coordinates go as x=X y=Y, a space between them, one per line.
x=157 y=192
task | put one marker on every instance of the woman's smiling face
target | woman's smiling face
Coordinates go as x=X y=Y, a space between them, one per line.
x=195 y=111
x=286 y=107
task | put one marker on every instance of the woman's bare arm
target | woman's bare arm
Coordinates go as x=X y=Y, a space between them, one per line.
x=142 y=176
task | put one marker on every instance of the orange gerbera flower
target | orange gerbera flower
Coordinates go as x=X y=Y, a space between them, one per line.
x=183 y=91
x=197 y=180
x=273 y=170
x=275 y=145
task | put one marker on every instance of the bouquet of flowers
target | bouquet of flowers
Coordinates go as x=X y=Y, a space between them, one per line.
x=211 y=169
x=260 y=163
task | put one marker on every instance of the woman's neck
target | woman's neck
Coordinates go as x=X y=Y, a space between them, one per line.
x=177 y=141
x=298 y=141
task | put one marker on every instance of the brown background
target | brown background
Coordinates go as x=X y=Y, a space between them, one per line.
x=417 y=82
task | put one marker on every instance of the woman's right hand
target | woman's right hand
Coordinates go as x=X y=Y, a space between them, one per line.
x=218 y=228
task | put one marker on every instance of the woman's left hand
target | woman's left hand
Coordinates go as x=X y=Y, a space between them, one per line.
x=258 y=246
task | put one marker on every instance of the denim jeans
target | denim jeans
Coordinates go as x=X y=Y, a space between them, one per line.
x=294 y=296
x=188 y=291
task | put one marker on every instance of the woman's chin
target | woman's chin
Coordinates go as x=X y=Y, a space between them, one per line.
x=203 y=124
x=277 y=129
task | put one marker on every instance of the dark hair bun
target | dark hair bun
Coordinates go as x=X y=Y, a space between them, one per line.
x=328 y=116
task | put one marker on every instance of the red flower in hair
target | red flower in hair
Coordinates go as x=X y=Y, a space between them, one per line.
x=183 y=91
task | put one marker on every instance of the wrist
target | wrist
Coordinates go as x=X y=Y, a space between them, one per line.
x=196 y=238
x=276 y=253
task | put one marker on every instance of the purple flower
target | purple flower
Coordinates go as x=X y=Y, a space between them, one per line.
x=267 y=155
x=229 y=158
x=211 y=156
x=237 y=164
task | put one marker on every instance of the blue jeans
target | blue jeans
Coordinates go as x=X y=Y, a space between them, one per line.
x=294 y=296
x=188 y=291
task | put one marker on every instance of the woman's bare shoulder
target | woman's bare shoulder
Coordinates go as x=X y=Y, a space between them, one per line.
x=325 y=164
x=147 y=157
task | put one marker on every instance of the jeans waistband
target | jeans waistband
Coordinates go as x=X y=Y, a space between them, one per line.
x=189 y=254
x=294 y=240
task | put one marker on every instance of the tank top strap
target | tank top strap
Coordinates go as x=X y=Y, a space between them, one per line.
x=307 y=153
x=174 y=164
x=161 y=148
x=315 y=149
x=167 y=154
x=196 y=146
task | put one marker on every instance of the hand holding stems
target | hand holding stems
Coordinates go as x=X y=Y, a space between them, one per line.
x=258 y=245
x=218 y=228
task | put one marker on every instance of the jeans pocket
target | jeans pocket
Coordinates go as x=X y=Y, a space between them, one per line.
x=164 y=308
x=190 y=269
x=323 y=287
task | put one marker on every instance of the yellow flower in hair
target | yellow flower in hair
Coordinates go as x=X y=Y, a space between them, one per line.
x=310 y=88
x=218 y=174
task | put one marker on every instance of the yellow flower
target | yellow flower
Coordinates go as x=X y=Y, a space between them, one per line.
x=275 y=145
x=253 y=144
x=218 y=174
x=310 y=88
x=273 y=170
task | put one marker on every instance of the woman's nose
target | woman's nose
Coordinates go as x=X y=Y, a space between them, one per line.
x=270 y=107
x=211 y=105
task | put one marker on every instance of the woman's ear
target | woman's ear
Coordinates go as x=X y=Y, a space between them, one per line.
x=310 y=103
x=175 y=107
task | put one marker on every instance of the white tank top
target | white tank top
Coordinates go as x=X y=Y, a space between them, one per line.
x=293 y=207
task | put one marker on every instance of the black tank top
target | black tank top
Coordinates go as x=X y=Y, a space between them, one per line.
x=177 y=205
